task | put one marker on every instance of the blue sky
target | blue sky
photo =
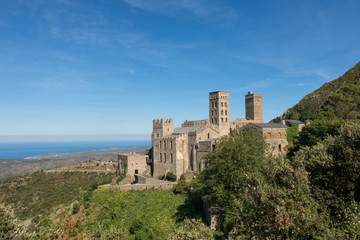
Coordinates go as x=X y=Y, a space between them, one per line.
x=110 y=67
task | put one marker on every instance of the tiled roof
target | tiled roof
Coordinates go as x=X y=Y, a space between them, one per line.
x=181 y=130
x=269 y=125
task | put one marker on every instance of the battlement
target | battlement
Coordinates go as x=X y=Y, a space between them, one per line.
x=163 y=121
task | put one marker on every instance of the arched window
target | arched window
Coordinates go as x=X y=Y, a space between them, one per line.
x=212 y=113
x=164 y=145
x=160 y=157
x=216 y=104
x=222 y=104
x=164 y=157
x=225 y=104
x=170 y=144
x=160 y=145
x=172 y=158
x=225 y=112
x=212 y=105
x=222 y=119
x=279 y=135
x=225 y=119
x=208 y=135
x=268 y=135
x=222 y=112
x=280 y=147
x=212 y=120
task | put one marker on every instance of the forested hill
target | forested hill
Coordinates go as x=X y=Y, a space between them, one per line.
x=338 y=99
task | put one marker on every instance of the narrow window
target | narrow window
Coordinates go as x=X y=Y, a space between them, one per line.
x=213 y=147
x=225 y=119
x=268 y=135
x=222 y=104
x=212 y=104
x=222 y=119
x=160 y=157
x=225 y=104
x=222 y=112
x=160 y=145
x=212 y=120
x=280 y=147
x=225 y=112
x=164 y=157
x=216 y=104
x=164 y=145
x=215 y=112
x=208 y=135
x=170 y=144
x=172 y=158
x=279 y=135
x=215 y=120
x=212 y=113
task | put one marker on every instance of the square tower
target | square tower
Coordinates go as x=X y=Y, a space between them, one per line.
x=219 y=110
x=254 y=107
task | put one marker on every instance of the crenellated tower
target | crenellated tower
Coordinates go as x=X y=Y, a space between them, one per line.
x=162 y=127
x=219 y=110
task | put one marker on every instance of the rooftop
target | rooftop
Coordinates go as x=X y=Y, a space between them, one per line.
x=181 y=130
x=269 y=125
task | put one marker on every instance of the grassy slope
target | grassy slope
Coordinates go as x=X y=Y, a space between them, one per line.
x=314 y=102
x=39 y=192
x=153 y=213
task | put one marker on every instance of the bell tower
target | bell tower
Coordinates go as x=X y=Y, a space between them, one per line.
x=219 y=110
x=254 y=107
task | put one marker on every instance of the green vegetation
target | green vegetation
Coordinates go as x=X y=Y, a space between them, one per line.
x=334 y=167
x=38 y=193
x=257 y=197
x=171 y=177
x=312 y=134
x=123 y=175
x=338 y=99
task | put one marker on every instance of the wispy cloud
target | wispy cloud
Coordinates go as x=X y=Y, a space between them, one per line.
x=199 y=8
x=60 y=84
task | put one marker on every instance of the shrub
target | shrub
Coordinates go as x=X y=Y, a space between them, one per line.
x=171 y=177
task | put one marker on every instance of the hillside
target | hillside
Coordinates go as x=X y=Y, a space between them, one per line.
x=38 y=193
x=337 y=99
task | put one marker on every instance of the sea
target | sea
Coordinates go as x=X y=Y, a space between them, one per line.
x=21 y=150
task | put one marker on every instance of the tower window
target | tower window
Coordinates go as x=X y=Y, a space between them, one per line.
x=160 y=157
x=160 y=145
x=212 y=113
x=215 y=120
x=225 y=104
x=164 y=157
x=164 y=146
x=222 y=119
x=212 y=105
x=212 y=120
x=215 y=112
x=225 y=119
x=208 y=135
x=172 y=158
x=268 y=135
x=171 y=145
x=216 y=104
x=222 y=104
x=222 y=112
x=225 y=112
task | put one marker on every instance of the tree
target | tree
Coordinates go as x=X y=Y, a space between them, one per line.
x=258 y=196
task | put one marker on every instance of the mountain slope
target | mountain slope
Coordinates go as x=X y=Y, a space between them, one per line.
x=338 y=99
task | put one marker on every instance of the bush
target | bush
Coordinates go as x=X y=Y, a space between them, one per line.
x=171 y=177
x=93 y=186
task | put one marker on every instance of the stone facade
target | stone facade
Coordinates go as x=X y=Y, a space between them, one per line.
x=182 y=149
x=132 y=164
x=254 y=107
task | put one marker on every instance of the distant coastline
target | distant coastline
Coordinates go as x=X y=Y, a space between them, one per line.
x=11 y=167
x=57 y=150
